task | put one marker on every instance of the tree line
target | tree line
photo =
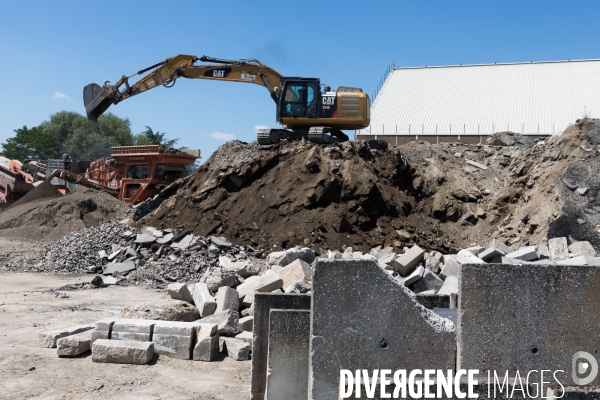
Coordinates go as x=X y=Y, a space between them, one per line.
x=68 y=132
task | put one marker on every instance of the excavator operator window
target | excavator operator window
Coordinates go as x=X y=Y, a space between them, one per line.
x=299 y=97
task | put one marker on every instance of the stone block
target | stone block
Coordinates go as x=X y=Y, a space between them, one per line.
x=245 y=324
x=475 y=250
x=49 y=338
x=206 y=348
x=269 y=282
x=429 y=281
x=501 y=246
x=347 y=334
x=132 y=329
x=527 y=253
x=180 y=291
x=451 y=268
x=489 y=254
x=466 y=257
x=558 y=248
x=74 y=345
x=102 y=329
x=174 y=339
x=204 y=301
x=237 y=349
x=263 y=304
x=246 y=337
x=583 y=248
x=542 y=252
x=300 y=286
x=531 y=318
x=415 y=276
x=409 y=261
x=225 y=320
x=122 y=351
x=450 y=286
x=227 y=299
x=289 y=347
x=579 y=260
x=294 y=271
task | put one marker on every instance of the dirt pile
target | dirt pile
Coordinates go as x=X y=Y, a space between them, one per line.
x=362 y=194
x=50 y=218
x=44 y=190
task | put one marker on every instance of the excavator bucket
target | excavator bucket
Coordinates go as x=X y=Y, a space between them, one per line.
x=96 y=100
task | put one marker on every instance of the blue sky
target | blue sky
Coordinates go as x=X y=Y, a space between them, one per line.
x=51 y=50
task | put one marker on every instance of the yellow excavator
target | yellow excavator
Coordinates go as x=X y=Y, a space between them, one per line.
x=303 y=108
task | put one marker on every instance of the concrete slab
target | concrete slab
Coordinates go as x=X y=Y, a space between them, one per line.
x=558 y=248
x=121 y=268
x=347 y=334
x=74 y=345
x=204 y=301
x=531 y=318
x=132 y=329
x=579 y=260
x=429 y=281
x=263 y=304
x=49 y=338
x=122 y=351
x=289 y=346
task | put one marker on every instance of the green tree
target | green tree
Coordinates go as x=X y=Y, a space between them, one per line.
x=149 y=137
x=35 y=143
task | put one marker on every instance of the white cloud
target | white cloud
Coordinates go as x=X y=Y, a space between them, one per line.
x=60 y=96
x=257 y=127
x=223 y=136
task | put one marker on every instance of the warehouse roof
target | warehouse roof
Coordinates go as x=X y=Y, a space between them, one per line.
x=529 y=98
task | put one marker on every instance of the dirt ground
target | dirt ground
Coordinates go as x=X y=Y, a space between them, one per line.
x=27 y=308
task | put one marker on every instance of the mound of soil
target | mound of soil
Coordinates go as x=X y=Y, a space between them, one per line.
x=44 y=190
x=52 y=217
x=443 y=196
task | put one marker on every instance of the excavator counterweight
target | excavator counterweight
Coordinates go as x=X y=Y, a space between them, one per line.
x=301 y=107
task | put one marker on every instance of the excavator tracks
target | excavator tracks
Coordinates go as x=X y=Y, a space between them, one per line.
x=318 y=134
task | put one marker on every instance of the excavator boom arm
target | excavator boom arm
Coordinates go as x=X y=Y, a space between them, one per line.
x=97 y=99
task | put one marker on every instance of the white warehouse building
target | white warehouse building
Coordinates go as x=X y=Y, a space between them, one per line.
x=468 y=103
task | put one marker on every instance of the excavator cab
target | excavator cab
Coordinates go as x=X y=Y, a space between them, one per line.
x=299 y=98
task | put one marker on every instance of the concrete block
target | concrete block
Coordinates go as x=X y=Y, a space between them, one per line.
x=415 y=276
x=409 y=261
x=227 y=299
x=579 y=260
x=451 y=268
x=225 y=320
x=429 y=281
x=237 y=349
x=300 y=286
x=180 y=291
x=246 y=337
x=295 y=271
x=466 y=257
x=531 y=318
x=102 y=329
x=245 y=324
x=450 y=286
x=132 y=329
x=49 y=338
x=527 y=253
x=122 y=351
x=490 y=253
x=206 y=348
x=283 y=258
x=263 y=304
x=204 y=301
x=542 y=252
x=74 y=345
x=559 y=249
x=174 y=339
x=347 y=334
x=269 y=282
x=583 y=248
x=501 y=246
x=289 y=347
x=475 y=250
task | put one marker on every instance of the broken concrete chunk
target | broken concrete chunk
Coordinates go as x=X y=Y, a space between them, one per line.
x=429 y=281
x=501 y=246
x=122 y=351
x=490 y=253
x=227 y=299
x=74 y=345
x=389 y=262
x=245 y=324
x=294 y=271
x=300 y=286
x=49 y=338
x=204 y=302
x=466 y=257
x=582 y=190
x=166 y=239
x=184 y=243
x=207 y=347
x=476 y=164
x=542 y=252
x=284 y=258
x=121 y=268
x=269 y=282
x=403 y=234
x=220 y=242
x=226 y=321
x=579 y=260
x=450 y=286
x=246 y=337
x=451 y=268
x=144 y=238
x=583 y=248
x=559 y=249
x=409 y=261
x=237 y=349
x=475 y=250
x=214 y=278
x=180 y=291
x=415 y=276
x=527 y=253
